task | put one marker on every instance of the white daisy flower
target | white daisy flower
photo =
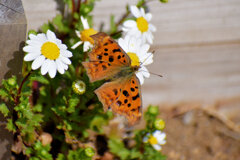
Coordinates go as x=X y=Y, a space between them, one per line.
x=138 y=54
x=141 y=28
x=47 y=52
x=157 y=139
x=85 y=36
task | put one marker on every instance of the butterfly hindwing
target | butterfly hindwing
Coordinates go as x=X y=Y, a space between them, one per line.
x=123 y=97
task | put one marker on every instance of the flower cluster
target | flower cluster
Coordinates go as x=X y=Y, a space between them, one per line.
x=138 y=36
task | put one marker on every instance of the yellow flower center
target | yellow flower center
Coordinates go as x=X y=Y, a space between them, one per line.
x=50 y=50
x=152 y=140
x=85 y=35
x=142 y=24
x=134 y=59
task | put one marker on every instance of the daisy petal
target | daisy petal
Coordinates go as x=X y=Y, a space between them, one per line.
x=65 y=60
x=135 y=11
x=157 y=147
x=32 y=37
x=52 y=69
x=29 y=49
x=77 y=44
x=85 y=23
x=60 y=67
x=152 y=28
x=51 y=36
x=31 y=56
x=86 y=46
x=130 y=23
x=45 y=67
x=148 y=17
x=66 y=53
x=145 y=72
x=140 y=77
x=38 y=62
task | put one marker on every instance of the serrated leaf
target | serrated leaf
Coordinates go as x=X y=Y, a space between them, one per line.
x=10 y=126
x=4 y=109
x=3 y=93
x=116 y=146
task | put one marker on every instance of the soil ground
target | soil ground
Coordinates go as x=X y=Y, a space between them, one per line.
x=194 y=133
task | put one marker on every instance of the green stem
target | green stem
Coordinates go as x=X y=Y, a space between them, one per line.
x=20 y=88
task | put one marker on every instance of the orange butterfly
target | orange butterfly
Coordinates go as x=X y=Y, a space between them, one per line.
x=107 y=60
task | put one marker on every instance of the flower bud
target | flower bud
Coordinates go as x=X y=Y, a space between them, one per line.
x=89 y=152
x=153 y=110
x=159 y=124
x=79 y=87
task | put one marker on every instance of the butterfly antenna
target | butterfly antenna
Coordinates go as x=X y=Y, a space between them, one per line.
x=147 y=57
x=159 y=75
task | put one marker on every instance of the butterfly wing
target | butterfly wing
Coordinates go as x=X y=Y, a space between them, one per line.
x=123 y=97
x=106 y=58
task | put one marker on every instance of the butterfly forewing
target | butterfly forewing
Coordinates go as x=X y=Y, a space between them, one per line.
x=106 y=58
x=123 y=97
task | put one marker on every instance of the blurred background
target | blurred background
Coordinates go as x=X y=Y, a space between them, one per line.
x=197 y=47
x=197 y=50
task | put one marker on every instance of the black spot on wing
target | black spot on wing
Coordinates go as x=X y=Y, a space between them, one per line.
x=111 y=59
x=125 y=93
x=116 y=50
x=135 y=97
x=119 y=103
x=104 y=67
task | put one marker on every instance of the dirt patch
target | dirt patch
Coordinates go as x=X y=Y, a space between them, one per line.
x=200 y=134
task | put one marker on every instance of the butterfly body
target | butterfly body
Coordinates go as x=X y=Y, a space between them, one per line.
x=107 y=60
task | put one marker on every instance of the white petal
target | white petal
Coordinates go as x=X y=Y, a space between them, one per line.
x=31 y=56
x=66 y=53
x=157 y=147
x=85 y=23
x=86 y=46
x=30 y=49
x=60 y=67
x=52 y=69
x=149 y=38
x=33 y=37
x=144 y=48
x=34 y=43
x=140 y=77
x=78 y=33
x=130 y=23
x=65 y=60
x=144 y=71
x=123 y=44
x=42 y=38
x=147 y=59
x=152 y=28
x=135 y=11
x=45 y=67
x=65 y=66
x=51 y=36
x=77 y=44
x=38 y=62
x=142 y=12
x=148 y=16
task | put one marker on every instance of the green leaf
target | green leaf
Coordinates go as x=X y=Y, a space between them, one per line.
x=3 y=93
x=164 y=1
x=113 y=27
x=40 y=79
x=10 y=126
x=116 y=146
x=4 y=109
x=72 y=104
x=151 y=154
